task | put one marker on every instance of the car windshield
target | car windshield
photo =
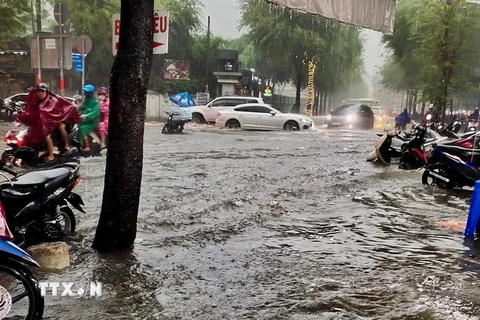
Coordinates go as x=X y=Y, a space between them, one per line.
x=346 y=109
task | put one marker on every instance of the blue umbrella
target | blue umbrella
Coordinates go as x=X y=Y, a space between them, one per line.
x=182 y=99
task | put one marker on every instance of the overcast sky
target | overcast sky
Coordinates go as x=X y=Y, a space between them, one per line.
x=224 y=22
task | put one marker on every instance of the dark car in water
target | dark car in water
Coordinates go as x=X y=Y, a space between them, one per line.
x=352 y=116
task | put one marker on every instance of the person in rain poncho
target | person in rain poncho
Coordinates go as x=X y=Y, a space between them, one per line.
x=104 y=111
x=45 y=112
x=89 y=116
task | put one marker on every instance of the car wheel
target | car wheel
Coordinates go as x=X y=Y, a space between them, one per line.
x=232 y=124
x=291 y=126
x=198 y=118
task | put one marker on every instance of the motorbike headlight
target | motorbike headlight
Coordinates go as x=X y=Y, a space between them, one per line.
x=350 y=117
x=329 y=117
x=379 y=118
x=429 y=117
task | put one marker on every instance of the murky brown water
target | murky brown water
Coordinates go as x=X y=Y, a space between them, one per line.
x=258 y=225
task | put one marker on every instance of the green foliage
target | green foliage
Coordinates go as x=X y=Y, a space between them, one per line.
x=281 y=42
x=94 y=18
x=434 y=49
x=185 y=21
x=13 y=16
x=175 y=86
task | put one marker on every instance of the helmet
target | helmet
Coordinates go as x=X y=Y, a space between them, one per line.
x=89 y=88
x=102 y=90
x=42 y=86
x=78 y=97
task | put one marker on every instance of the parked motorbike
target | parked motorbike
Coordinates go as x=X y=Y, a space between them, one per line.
x=16 y=281
x=17 y=154
x=472 y=125
x=10 y=109
x=173 y=126
x=36 y=203
x=449 y=168
x=410 y=155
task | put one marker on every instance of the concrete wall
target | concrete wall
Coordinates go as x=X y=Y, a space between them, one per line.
x=157 y=104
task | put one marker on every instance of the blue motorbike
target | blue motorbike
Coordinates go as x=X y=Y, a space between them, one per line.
x=452 y=166
x=17 y=283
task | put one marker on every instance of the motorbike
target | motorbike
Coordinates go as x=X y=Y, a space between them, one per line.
x=10 y=109
x=17 y=153
x=173 y=125
x=37 y=203
x=410 y=155
x=17 y=282
x=472 y=125
x=449 y=168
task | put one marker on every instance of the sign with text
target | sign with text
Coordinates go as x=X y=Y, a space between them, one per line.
x=77 y=62
x=160 y=29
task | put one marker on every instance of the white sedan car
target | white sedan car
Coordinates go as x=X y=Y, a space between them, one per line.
x=255 y=116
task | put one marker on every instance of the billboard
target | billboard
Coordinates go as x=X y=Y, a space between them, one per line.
x=176 y=70
x=378 y=15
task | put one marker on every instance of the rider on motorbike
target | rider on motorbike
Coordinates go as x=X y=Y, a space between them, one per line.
x=402 y=119
x=44 y=112
x=102 y=94
x=78 y=100
x=429 y=112
x=89 y=116
x=474 y=116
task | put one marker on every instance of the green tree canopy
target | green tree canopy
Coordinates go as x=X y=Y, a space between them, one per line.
x=14 y=17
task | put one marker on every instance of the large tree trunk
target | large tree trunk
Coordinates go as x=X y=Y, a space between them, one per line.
x=326 y=103
x=129 y=79
x=298 y=85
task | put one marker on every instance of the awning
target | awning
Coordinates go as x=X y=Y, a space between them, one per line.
x=234 y=81
x=378 y=15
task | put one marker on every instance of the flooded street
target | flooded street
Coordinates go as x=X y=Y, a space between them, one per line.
x=273 y=225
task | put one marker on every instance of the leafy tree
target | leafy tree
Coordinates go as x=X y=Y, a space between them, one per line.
x=446 y=48
x=185 y=21
x=433 y=46
x=94 y=18
x=287 y=39
x=117 y=226
x=282 y=46
x=13 y=14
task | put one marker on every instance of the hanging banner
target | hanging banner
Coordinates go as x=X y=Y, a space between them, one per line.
x=378 y=15
x=310 y=88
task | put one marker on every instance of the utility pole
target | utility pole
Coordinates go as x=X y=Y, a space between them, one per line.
x=39 y=14
x=208 y=55
x=32 y=9
x=62 y=81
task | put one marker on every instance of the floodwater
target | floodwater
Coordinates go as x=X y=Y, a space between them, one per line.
x=273 y=225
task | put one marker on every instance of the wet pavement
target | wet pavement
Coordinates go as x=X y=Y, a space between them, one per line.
x=274 y=225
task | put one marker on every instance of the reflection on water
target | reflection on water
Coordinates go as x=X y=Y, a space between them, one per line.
x=249 y=225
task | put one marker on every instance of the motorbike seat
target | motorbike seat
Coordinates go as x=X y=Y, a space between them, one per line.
x=400 y=137
x=40 y=177
x=456 y=148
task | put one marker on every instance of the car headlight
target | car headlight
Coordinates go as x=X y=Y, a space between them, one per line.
x=350 y=117
x=329 y=117
x=304 y=120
